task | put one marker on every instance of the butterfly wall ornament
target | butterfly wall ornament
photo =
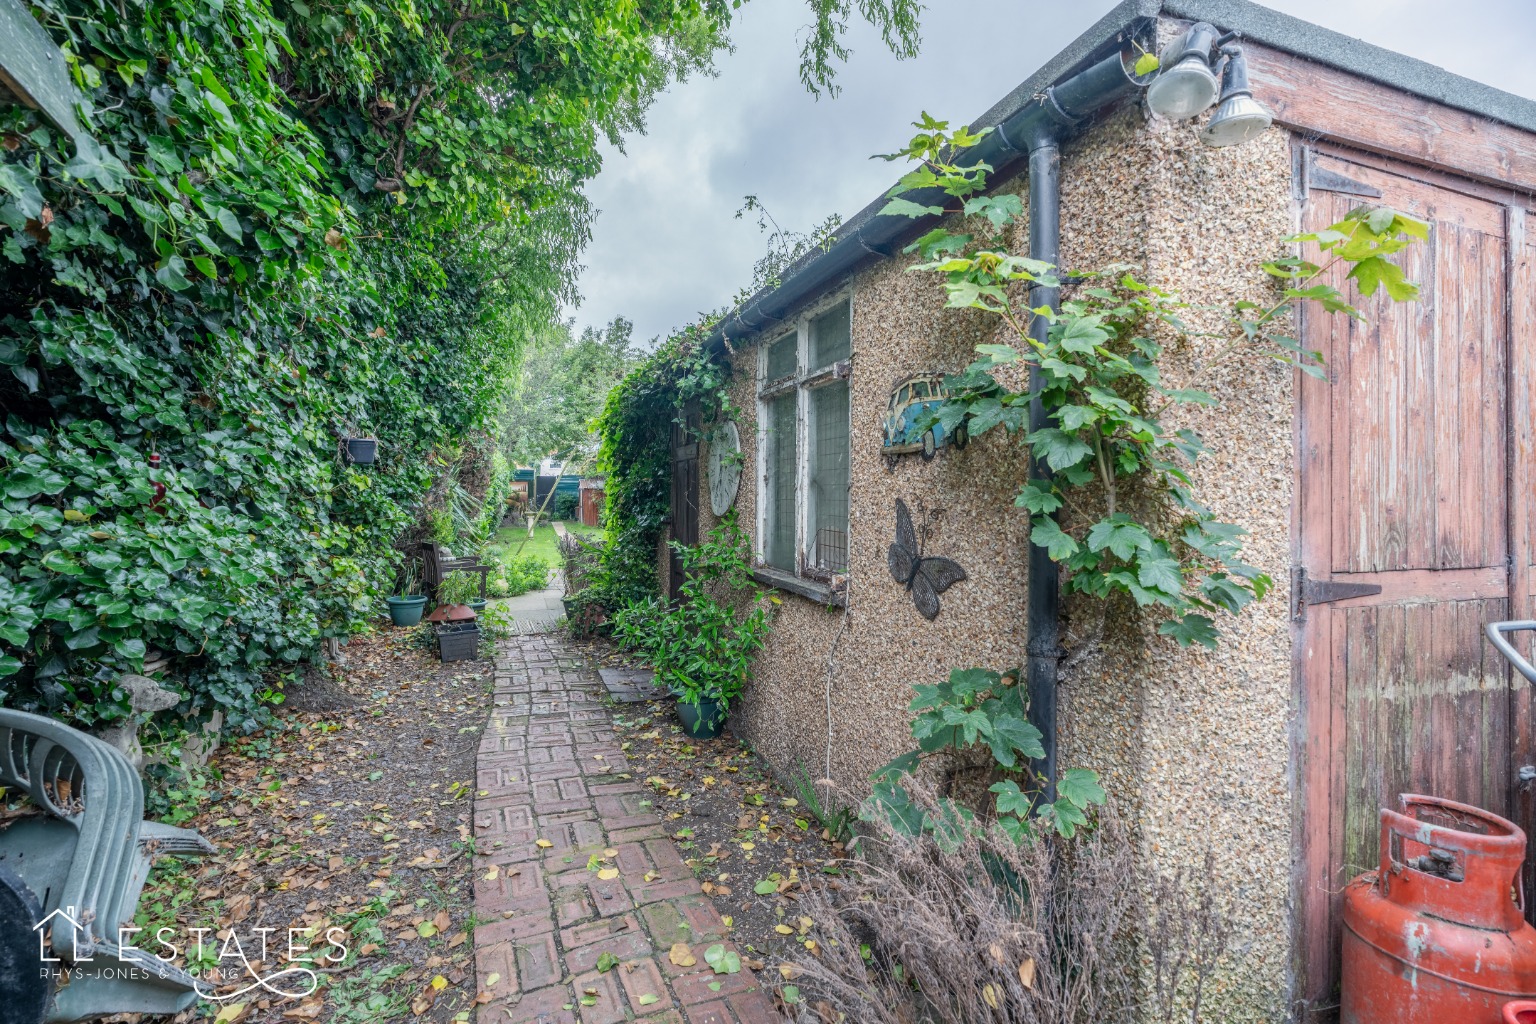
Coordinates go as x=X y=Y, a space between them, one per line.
x=925 y=578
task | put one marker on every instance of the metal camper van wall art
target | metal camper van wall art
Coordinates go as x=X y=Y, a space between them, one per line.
x=913 y=399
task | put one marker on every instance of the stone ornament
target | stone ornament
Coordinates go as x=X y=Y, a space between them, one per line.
x=724 y=468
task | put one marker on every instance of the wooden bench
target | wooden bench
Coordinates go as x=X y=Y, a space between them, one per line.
x=438 y=562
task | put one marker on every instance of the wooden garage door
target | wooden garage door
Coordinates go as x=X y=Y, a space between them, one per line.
x=1415 y=467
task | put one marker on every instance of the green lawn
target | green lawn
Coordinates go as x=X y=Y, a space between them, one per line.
x=543 y=542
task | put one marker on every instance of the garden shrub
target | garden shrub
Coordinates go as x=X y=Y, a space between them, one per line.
x=567 y=507
x=289 y=223
x=703 y=648
x=520 y=574
x=992 y=931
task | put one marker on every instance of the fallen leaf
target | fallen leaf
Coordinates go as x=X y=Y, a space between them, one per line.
x=543 y=844
x=681 y=956
x=1027 y=974
x=608 y=874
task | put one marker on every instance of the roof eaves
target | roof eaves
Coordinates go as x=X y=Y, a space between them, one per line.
x=1358 y=57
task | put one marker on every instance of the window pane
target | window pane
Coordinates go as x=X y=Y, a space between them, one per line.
x=828 y=512
x=781 y=357
x=830 y=338
x=779 y=462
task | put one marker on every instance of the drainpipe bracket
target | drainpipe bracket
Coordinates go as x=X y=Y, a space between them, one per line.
x=1039 y=647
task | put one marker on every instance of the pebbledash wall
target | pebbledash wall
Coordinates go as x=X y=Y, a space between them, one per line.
x=1192 y=744
x=1195 y=746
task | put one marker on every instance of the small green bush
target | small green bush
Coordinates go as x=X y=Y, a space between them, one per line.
x=567 y=506
x=702 y=649
x=519 y=574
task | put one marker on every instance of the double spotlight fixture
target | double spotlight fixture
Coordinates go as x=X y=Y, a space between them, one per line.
x=1187 y=85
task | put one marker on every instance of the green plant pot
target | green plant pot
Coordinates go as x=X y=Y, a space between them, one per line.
x=702 y=721
x=406 y=611
x=477 y=606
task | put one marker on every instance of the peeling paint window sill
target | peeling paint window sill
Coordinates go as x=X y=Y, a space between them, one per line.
x=818 y=592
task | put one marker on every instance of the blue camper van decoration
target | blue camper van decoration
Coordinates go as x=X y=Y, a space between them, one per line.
x=913 y=399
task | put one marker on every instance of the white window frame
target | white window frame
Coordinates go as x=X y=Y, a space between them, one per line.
x=804 y=579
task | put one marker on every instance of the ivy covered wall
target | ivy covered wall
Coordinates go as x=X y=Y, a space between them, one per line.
x=292 y=222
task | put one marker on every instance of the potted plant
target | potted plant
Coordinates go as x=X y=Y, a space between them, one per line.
x=456 y=597
x=458 y=633
x=405 y=607
x=702 y=649
x=360 y=451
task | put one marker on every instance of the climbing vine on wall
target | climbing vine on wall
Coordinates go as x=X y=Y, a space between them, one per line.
x=1120 y=511
x=635 y=436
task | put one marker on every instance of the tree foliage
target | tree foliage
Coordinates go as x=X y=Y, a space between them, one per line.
x=291 y=224
x=563 y=382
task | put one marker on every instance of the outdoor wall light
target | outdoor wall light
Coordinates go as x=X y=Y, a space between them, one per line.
x=1186 y=86
x=1240 y=117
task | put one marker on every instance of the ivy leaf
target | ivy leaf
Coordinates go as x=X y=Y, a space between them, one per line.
x=1120 y=534
x=93 y=162
x=1045 y=532
x=173 y=274
x=1081 y=787
x=228 y=222
x=18 y=181
x=1191 y=629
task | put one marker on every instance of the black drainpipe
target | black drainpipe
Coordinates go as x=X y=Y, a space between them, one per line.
x=1061 y=110
x=1044 y=647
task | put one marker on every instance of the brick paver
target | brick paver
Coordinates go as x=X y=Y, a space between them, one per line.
x=554 y=789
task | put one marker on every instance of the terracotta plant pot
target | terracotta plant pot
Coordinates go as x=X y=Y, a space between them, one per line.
x=701 y=721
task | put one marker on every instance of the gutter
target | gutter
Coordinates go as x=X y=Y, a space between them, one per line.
x=1059 y=109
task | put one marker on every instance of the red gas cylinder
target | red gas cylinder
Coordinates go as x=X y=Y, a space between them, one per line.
x=1437 y=935
x=1523 y=1012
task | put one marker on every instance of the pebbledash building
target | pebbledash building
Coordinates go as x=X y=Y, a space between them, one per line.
x=1406 y=479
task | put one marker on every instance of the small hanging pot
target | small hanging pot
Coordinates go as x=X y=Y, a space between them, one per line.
x=360 y=451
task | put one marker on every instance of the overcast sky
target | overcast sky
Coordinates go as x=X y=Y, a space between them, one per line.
x=667 y=245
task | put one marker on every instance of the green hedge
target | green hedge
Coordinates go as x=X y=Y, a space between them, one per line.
x=294 y=222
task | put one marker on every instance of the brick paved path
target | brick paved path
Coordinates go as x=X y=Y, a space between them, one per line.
x=549 y=770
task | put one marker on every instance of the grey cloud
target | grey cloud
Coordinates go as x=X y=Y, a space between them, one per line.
x=666 y=244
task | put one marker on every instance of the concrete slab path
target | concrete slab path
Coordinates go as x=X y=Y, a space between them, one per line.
x=554 y=789
x=537 y=611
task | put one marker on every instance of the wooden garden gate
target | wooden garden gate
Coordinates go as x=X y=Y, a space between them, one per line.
x=685 y=492
x=1416 y=468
